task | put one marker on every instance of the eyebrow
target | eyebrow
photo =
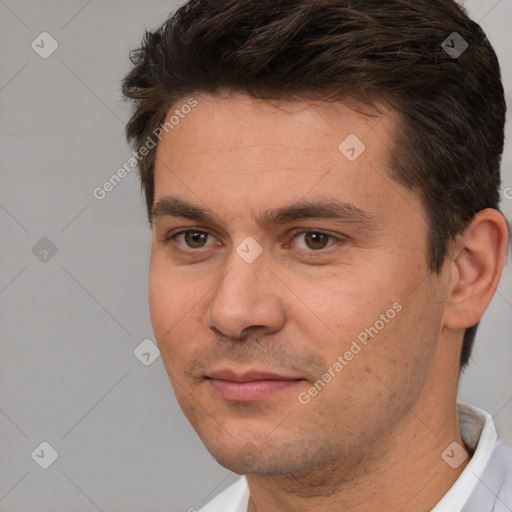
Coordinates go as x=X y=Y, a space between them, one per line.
x=328 y=208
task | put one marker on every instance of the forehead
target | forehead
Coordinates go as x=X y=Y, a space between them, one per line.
x=230 y=122
x=240 y=134
x=239 y=150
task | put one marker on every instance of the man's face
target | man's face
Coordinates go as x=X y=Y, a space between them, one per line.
x=253 y=307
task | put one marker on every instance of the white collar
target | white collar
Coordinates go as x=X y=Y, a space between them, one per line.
x=479 y=433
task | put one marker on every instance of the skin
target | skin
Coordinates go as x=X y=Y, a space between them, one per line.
x=372 y=438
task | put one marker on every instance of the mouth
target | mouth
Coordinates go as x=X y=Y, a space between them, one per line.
x=249 y=386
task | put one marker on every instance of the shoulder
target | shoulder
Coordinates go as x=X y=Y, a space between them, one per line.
x=500 y=464
x=495 y=483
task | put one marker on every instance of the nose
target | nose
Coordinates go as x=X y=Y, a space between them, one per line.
x=246 y=299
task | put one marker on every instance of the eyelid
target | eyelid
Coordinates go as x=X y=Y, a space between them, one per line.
x=172 y=237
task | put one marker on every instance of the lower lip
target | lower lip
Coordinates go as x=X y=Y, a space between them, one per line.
x=250 y=391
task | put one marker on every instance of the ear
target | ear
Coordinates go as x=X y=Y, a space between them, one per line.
x=476 y=264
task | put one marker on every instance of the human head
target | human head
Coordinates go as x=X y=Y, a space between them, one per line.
x=452 y=110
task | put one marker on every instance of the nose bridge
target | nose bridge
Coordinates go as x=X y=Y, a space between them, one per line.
x=244 y=278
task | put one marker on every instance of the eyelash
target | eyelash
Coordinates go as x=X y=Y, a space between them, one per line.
x=172 y=239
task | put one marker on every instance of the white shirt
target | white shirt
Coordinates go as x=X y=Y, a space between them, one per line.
x=485 y=485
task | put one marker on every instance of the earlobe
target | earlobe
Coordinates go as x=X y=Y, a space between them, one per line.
x=476 y=267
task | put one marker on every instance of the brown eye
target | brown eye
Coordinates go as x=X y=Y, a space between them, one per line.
x=314 y=240
x=195 y=239
x=192 y=239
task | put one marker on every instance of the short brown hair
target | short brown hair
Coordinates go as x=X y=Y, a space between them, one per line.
x=452 y=108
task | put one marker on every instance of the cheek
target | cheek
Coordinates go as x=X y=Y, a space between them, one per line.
x=345 y=305
x=174 y=312
x=401 y=354
x=377 y=324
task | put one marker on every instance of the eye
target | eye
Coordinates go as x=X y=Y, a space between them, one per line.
x=315 y=240
x=193 y=239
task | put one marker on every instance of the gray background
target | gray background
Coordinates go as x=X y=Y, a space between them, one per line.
x=70 y=323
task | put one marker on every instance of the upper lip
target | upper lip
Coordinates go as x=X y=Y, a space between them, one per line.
x=247 y=376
